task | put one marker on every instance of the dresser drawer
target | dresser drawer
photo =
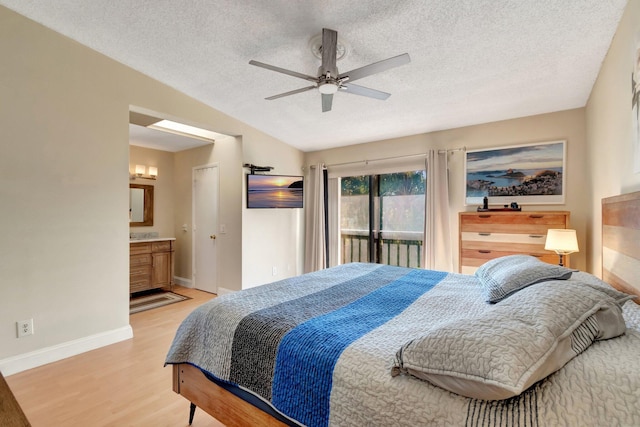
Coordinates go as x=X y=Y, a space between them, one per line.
x=488 y=235
x=533 y=229
x=530 y=238
x=143 y=259
x=512 y=223
x=161 y=246
x=472 y=259
x=477 y=257
x=528 y=218
x=493 y=247
x=139 y=248
x=138 y=271
x=139 y=285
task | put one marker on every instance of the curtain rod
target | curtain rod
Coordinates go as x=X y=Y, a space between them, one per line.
x=452 y=150
x=391 y=158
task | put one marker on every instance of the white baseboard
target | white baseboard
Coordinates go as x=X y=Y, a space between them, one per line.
x=33 y=359
x=187 y=283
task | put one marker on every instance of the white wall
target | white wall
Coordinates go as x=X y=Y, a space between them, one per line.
x=64 y=252
x=564 y=125
x=256 y=240
x=64 y=214
x=609 y=129
x=227 y=154
x=271 y=237
x=600 y=145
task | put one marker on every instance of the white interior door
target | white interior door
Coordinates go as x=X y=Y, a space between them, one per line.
x=205 y=227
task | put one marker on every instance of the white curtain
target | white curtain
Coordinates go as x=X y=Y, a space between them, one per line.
x=437 y=232
x=333 y=220
x=315 y=244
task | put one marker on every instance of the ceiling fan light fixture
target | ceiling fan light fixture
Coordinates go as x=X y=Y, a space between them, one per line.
x=328 y=88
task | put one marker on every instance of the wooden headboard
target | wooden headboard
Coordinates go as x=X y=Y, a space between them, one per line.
x=621 y=242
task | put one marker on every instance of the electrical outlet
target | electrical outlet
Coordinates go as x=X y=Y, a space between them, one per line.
x=25 y=327
x=274 y=270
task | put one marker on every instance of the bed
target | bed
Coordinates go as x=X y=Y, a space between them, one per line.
x=519 y=343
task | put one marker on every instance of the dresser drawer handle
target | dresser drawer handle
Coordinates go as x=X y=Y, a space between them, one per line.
x=536 y=255
x=484 y=251
x=484 y=234
x=536 y=216
x=536 y=236
x=484 y=216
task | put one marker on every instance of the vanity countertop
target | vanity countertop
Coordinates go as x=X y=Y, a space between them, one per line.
x=152 y=239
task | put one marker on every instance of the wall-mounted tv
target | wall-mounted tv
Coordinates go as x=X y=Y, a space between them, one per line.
x=274 y=191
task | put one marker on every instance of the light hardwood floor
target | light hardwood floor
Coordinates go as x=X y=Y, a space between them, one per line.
x=124 y=384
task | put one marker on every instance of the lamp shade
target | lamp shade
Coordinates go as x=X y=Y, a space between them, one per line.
x=140 y=169
x=153 y=171
x=562 y=241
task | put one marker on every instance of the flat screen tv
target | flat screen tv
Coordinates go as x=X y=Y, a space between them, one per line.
x=274 y=191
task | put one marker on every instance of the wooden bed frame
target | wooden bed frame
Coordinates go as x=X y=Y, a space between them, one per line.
x=620 y=268
x=620 y=247
x=221 y=404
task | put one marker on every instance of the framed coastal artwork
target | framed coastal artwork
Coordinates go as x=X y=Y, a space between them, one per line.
x=524 y=174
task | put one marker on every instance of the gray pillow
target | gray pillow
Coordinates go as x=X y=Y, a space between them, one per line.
x=504 y=276
x=512 y=345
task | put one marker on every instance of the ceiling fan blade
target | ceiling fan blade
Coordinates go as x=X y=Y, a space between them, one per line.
x=293 y=92
x=283 y=71
x=327 y=100
x=376 y=67
x=364 y=91
x=329 y=52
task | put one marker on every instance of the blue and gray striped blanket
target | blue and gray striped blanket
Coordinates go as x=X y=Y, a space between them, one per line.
x=319 y=348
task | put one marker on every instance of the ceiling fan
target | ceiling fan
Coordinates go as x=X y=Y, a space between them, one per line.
x=330 y=81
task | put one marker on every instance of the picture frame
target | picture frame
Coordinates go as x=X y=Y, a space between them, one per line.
x=523 y=174
x=274 y=191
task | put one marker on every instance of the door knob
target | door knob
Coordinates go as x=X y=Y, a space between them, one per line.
x=213 y=236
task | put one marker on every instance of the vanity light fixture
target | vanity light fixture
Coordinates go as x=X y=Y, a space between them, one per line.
x=140 y=172
x=184 y=130
x=561 y=241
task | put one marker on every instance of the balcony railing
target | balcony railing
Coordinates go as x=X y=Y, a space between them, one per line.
x=398 y=248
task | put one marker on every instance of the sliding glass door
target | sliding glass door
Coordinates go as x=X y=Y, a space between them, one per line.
x=382 y=218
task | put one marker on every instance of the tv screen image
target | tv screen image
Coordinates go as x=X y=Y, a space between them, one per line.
x=274 y=191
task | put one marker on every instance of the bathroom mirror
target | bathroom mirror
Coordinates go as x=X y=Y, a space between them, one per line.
x=140 y=205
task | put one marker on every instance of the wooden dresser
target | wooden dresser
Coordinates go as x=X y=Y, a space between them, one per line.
x=151 y=264
x=488 y=235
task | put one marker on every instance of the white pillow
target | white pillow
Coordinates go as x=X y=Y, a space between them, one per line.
x=506 y=349
x=504 y=276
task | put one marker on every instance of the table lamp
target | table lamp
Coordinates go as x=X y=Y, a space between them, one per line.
x=561 y=241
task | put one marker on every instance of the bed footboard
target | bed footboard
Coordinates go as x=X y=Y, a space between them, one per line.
x=224 y=406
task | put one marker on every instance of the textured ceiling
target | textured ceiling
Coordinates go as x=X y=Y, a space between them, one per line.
x=472 y=61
